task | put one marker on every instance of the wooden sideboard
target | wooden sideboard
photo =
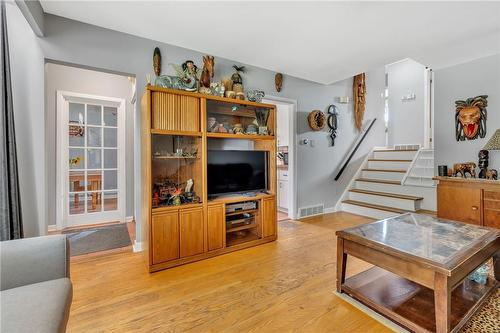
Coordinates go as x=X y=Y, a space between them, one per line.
x=469 y=200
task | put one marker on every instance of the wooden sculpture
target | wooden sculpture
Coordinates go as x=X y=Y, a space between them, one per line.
x=206 y=74
x=463 y=168
x=470 y=118
x=359 y=92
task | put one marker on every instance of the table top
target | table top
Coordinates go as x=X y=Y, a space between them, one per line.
x=442 y=243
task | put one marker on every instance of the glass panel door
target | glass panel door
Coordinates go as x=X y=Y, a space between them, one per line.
x=92 y=176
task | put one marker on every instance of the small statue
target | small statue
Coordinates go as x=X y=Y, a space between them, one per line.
x=483 y=163
x=236 y=78
x=189 y=186
x=206 y=74
x=463 y=168
x=491 y=174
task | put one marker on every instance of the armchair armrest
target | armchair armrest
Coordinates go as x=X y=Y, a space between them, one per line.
x=32 y=260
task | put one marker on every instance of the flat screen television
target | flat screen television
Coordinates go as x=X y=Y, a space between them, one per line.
x=236 y=171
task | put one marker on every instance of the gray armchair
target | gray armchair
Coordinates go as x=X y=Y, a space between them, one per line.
x=35 y=289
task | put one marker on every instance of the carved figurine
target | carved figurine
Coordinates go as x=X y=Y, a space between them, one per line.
x=206 y=74
x=236 y=78
x=463 y=168
x=359 y=92
x=483 y=163
x=278 y=81
x=470 y=118
x=492 y=174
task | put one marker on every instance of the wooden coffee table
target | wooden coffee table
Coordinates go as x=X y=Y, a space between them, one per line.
x=421 y=266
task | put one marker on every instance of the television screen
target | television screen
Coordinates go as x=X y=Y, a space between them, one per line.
x=232 y=171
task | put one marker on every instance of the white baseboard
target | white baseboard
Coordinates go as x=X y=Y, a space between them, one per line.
x=137 y=247
x=329 y=210
x=129 y=219
x=51 y=228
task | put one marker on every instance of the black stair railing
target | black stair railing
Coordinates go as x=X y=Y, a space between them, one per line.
x=354 y=148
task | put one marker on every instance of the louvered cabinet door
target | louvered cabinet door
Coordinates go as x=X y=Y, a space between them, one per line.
x=172 y=112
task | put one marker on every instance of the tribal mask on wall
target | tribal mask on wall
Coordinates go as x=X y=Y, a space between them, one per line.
x=470 y=118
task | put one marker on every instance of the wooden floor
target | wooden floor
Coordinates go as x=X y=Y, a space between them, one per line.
x=282 y=286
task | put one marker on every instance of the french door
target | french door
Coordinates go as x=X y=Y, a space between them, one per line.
x=91 y=159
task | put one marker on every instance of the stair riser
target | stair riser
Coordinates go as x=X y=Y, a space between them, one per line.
x=389 y=188
x=383 y=175
x=365 y=211
x=394 y=155
x=412 y=205
x=388 y=165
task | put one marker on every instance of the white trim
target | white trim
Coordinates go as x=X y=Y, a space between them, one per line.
x=293 y=210
x=129 y=219
x=137 y=247
x=62 y=115
x=330 y=210
x=52 y=227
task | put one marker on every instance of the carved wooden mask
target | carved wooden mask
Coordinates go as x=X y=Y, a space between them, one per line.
x=470 y=118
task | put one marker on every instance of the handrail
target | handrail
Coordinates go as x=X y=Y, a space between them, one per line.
x=360 y=139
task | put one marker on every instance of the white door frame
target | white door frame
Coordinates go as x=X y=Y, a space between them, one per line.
x=62 y=184
x=292 y=150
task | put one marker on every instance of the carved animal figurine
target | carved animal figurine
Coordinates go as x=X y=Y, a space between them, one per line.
x=464 y=168
x=492 y=174
x=206 y=74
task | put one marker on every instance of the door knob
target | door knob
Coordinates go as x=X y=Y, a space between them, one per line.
x=474 y=208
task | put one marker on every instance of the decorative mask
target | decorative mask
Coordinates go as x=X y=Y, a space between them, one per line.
x=157 y=61
x=278 y=81
x=470 y=118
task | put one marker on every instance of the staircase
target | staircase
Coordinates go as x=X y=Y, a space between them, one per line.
x=377 y=190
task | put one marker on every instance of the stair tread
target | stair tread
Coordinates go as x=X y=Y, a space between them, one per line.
x=388 y=160
x=427 y=212
x=384 y=170
x=382 y=181
x=379 y=207
x=386 y=194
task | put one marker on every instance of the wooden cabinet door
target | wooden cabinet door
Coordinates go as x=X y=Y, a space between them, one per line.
x=491 y=208
x=191 y=232
x=459 y=204
x=175 y=112
x=165 y=237
x=215 y=227
x=268 y=217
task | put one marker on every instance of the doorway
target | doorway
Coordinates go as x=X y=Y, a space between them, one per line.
x=285 y=135
x=91 y=159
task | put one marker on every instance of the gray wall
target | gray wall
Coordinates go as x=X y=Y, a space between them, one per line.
x=478 y=77
x=406 y=118
x=67 y=78
x=26 y=61
x=78 y=43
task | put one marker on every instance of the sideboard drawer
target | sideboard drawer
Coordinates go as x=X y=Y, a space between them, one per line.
x=491 y=204
x=494 y=195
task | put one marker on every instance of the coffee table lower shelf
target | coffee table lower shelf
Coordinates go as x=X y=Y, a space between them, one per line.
x=411 y=305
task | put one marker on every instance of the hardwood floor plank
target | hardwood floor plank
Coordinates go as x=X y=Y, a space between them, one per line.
x=286 y=285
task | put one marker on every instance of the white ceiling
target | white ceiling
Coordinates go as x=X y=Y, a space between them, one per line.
x=319 y=41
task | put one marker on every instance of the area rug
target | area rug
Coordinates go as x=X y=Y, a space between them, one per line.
x=98 y=239
x=487 y=319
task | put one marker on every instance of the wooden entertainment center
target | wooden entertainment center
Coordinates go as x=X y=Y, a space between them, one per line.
x=182 y=228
